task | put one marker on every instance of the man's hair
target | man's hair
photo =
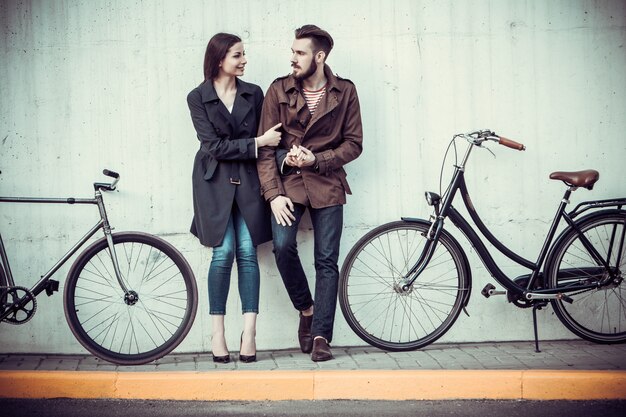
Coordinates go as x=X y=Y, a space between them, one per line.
x=321 y=40
x=216 y=51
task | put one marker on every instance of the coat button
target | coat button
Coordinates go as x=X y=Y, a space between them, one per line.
x=245 y=123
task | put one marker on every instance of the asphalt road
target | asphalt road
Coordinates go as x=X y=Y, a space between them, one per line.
x=137 y=408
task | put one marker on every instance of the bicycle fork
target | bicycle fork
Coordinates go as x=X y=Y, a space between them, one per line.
x=432 y=238
x=130 y=297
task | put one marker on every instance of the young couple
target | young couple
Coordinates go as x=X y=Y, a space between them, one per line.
x=288 y=150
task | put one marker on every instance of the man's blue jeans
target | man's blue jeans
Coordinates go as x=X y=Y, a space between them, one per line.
x=237 y=243
x=327 y=228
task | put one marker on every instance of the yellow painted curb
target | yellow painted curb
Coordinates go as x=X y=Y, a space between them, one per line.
x=216 y=386
x=573 y=385
x=55 y=384
x=317 y=385
x=417 y=385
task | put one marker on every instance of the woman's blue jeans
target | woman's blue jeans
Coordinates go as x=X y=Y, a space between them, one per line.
x=327 y=227
x=237 y=243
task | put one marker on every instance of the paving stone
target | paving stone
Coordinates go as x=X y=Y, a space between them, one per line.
x=575 y=354
x=55 y=364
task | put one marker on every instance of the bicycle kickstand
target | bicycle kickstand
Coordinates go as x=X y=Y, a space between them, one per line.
x=536 y=307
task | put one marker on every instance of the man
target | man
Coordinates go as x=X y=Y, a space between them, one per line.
x=321 y=123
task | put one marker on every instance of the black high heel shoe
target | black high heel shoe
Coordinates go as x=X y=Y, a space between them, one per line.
x=245 y=358
x=221 y=359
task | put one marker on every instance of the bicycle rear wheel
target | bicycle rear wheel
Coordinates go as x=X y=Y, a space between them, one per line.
x=598 y=315
x=109 y=324
x=375 y=307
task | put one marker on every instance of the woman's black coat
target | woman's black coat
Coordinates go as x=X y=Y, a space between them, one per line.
x=227 y=156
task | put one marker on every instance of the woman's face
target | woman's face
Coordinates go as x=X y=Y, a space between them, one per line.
x=234 y=62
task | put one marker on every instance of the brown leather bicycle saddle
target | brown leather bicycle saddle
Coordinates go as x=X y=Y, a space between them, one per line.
x=584 y=178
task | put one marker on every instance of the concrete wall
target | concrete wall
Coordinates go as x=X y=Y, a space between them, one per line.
x=94 y=84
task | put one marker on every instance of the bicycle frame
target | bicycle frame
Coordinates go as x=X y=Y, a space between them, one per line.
x=45 y=283
x=447 y=210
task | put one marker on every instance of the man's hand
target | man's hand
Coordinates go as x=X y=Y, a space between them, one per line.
x=282 y=207
x=300 y=157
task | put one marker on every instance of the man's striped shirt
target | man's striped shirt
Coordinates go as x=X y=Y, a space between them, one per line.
x=313 y=98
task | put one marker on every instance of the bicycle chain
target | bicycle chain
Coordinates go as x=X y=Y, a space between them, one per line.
x=12 y=318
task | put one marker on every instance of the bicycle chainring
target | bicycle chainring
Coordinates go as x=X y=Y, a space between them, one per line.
x=10 y=296
x=517 y=299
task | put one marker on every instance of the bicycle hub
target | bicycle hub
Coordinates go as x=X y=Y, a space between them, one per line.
x=131 y=298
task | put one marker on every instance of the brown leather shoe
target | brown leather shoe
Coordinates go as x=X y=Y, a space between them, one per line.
x=304 y=333
x=321 y=350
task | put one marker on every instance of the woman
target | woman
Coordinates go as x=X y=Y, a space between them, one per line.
x=230 y=214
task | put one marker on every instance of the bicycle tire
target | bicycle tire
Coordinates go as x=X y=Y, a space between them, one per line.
x=105 y=324
x=386 y=318
x=597 y=315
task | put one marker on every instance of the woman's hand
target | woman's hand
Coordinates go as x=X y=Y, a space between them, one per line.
x=270 y=138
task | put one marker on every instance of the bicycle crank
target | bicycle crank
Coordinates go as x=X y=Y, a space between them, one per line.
x=18 y=303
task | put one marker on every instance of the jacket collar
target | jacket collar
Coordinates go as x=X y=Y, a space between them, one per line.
x=241 y=106
x=292 y=84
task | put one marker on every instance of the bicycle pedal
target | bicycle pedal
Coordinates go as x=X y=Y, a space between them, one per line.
x=490 y=290
x=51 y=287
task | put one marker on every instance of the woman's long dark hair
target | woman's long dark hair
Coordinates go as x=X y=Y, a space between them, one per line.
x=216 y=51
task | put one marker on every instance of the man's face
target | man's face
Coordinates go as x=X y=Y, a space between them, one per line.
x=302 y=59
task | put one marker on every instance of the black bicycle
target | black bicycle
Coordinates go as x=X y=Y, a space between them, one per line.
x=403 y=284
x=130 y=297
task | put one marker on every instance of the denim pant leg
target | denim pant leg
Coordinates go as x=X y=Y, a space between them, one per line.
x=247 y=265
x=327 y=228
x=220 y=270
x=288 y=261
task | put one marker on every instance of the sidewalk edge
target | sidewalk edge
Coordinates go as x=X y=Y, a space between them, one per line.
x=318 y=385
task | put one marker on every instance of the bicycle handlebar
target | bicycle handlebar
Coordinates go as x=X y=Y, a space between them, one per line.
x=511 y=143
x=112 y=174
x=480 y=136
x=108 y=187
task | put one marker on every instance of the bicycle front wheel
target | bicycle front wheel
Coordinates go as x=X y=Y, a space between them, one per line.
x=370 y=293
x=598 y=315
x=144 y=324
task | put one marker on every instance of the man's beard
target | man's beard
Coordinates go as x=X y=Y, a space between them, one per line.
x=307 y=73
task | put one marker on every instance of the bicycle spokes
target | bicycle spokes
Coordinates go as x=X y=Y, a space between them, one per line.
x=154 y=312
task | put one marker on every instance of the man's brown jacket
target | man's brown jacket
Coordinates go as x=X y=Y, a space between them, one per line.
x=334 y=134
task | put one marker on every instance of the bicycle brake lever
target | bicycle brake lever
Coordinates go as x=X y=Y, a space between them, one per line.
x=480 y=145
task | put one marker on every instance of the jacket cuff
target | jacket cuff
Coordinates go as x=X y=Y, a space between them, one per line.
x=324 y=161
x=247 y=147
x=272 y=189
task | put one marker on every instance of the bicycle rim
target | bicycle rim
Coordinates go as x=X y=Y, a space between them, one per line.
x=374 y=306
x=112 y=328
x=596 y=315
x=3 y=293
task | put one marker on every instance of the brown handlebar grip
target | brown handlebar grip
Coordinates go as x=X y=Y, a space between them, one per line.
x=511 y=144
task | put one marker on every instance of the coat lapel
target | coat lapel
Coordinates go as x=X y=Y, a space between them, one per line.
x=243 y=103
x=217 y=112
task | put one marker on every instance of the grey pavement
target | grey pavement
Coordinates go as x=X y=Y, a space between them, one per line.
x=554 y=355
x=63 y=407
